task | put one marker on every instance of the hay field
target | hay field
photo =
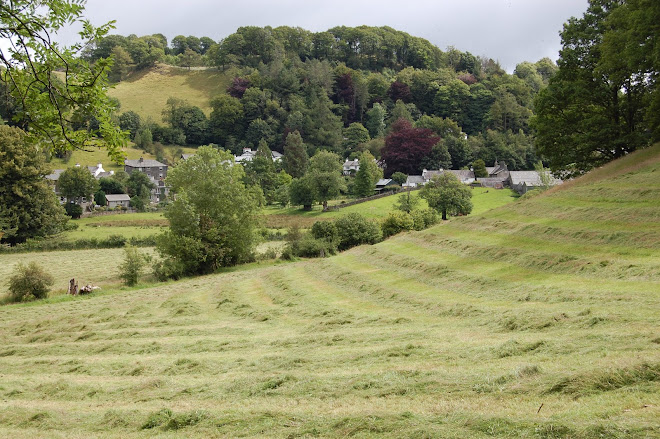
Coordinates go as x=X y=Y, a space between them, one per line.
x=535 y=320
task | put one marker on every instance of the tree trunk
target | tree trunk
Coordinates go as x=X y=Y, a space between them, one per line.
x=444 y=214
x=325 y=206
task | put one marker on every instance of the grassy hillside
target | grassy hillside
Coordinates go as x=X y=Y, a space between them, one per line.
x=538 y=319
x=147 y=91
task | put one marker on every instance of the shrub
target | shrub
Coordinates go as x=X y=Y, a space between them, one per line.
x=29 y=282
x=424 y=218
x=325 y=230
x=396 y=222
x=73 y=210
x=354 y=229
x=131 y=269
x=310 y=247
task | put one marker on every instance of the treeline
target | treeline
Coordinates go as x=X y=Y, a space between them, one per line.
x=343 y=90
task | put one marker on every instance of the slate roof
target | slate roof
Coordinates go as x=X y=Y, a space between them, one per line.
x=117 y=197
x=145 y=163
x=462 y=174
x=384 y=182
x=530 y=178
x=415 y=179
x=55 y=175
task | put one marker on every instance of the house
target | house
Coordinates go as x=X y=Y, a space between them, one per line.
x=385 y=184
x=524 y=181
x=115 y=200
x=156 y=171
x=248 y=155
x=465 y=176
x=351 y=167
x=414 y=181
x=52 y=178
x=98 y=171
x=497 y=176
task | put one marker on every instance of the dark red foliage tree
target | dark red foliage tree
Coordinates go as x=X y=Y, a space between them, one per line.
x=406 y=147
x=345 y=94
x=399 y=91
x=238 y=87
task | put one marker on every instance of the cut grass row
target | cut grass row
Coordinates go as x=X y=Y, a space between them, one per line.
x=480 y=327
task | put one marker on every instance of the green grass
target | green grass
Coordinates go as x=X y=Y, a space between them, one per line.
x=146 y=92
x=129 y=225
x=538 y=319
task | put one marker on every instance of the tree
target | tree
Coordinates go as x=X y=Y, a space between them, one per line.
x=46 y=104
x=354 y=229
x=375 y=121
x=110 y=185
x=226 y=118
x=28 y=205
x=301 y=193
x=367 y=176
x=121 y=61
x=296 y=159
x=139 y=187
x=132 y=266
x=396 y=222
x=29 y=282
x=399 y=178
x=593 y=108
x=354 y=135
x=261 y=171
x=406 y=147
x=446 y=194
x=439 y=157
x=325 y=175
x=130 y=121
x=213 y=217
x=479 y=168
x=77 y=183
x=99 y=198
x=189 y=58
x=406 y=202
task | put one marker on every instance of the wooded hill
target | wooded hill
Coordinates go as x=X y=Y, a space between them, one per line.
x=341 y=89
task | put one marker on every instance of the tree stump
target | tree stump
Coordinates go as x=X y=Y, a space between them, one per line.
x=73 y=287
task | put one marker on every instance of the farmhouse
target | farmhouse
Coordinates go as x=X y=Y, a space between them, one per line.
x=115 y=200
x=524 y=181
x=351 y=167
x=97 y=171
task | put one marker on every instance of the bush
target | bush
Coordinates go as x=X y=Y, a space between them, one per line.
x=131 y=269
x=29 y=282
x=396 y=222
x=73 y=210
x=311 y=247
x=325 y=230
x=354 y=229
x=424 y=218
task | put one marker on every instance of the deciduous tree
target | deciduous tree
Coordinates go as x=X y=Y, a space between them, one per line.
x=446 y=194
x=406 y=147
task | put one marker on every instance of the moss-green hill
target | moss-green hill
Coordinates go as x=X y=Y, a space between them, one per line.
x=538 y=319
x=147 y=91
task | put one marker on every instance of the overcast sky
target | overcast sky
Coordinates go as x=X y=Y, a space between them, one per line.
x=509 y=31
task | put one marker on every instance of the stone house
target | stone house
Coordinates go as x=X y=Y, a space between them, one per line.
x=156 y=171
x=115 y=200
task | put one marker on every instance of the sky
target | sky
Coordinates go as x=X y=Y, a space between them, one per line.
x=509 y=31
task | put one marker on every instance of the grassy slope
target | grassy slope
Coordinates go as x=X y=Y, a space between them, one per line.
x=463 y=330
x=147 y=92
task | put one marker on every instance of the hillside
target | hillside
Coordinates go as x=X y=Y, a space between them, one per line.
x=147 y=91
x=538 y=319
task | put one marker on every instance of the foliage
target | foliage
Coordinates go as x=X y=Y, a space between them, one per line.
x=76 y=183
x=354 y=229
x=47 y=105
x=399 y=177
x=479 y=168
x=406 y=202
x=99 y=198
x=354 y=135
x=325 y=176
x=325 y=230
x=447 y=195
x=139 y=187
x=367 y=176
x=74 y=210
x=29 y=282
x=406 y=147
x=132 y=266
x=28 y=205
x=594 y=107
x=302 y=192
x=296 y=159
x=396 y=222
x=213 y=217
x=424 y=218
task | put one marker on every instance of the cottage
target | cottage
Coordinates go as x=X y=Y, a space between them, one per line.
x=351 y=167
x=115 y=200
x=98 y=171
x=248 y=155
x=156 y=171
x=413 y=181
x=524 y=181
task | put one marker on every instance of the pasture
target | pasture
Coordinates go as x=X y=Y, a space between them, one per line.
x=538 y=319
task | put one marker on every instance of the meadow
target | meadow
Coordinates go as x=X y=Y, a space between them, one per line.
x=146 y=92
x=538 y=319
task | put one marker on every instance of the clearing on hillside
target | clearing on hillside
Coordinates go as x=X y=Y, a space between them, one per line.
x=538 y=319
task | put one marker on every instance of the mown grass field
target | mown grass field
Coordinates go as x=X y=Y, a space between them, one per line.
x=536 y=320
x=146 y=92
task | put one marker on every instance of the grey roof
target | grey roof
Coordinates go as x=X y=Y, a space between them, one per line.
x=277 y=155
x=428 y=174
x=145 y=163
x=55 y=174
x=462 y=174
x=117 y=197
x=186 y=156
x=530 y=178
x=490 y=169
x=384 y=182
x=415 y=179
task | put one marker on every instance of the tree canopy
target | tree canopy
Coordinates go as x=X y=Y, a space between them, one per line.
x=213 y=217
x=446 y=194
x=51 y=109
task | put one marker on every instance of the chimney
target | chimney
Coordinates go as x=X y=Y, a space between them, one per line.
x=141 y=159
